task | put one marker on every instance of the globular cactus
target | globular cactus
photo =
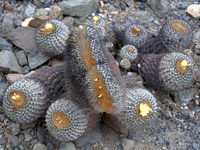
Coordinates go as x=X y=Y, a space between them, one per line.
x=135 y=35
x=174 y=36
x=95 y=77
x=100 y=31
x=52 y=79
x=165 y=72
x=140 y=109
x=67 y=121
x=51 y=38
x=98 y=21
x=119 y=28
x=27 y=100
x=125 y=63
x=128 y=52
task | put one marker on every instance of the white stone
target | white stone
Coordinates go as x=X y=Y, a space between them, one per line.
x=194 y=11
x=26 y=22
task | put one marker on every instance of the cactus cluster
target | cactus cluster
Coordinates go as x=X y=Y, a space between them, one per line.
x=174 y=36
x=90 y=83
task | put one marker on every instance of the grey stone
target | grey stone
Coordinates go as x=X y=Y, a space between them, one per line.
x=37 y=3
x=181 y=12
x=36 y=59
x=127 y=144
x=14 y=140
x=4 y=45
x=1 y=131
x=3 y=140
x=26 y=69
x=92 y=137
x=87 y=147
x=8 y=62
x=185 y=96
x=29 y=10
x=34 y=141
x=21 y=147
x=50 y=146
x=24 y=38
x=194 y=145
x=78 y=7
x=3 y=87
x=67 y=146
x=56 y=12
x=113 y=122
x=2 y=117
x=21 y=137
x=22 y=58
x=129 y=2
x=197 y=36
x=159 y=7
x=185 y=112
x=29 y=125
x=41 y=134
x=116 y=4
x=165 y=137
x=17 y=23
x=68 y=21
x=28 y=136
x=15 y=128
x=39 y=146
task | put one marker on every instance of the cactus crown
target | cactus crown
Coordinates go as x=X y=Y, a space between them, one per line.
x=48 y=28
x=60 y=121
x=179 y=27
x=95 y=19
x=144 y=109
x=17 y=99
x=130 y=49
x=182 y=66
x=121 y=21
x=136 y=30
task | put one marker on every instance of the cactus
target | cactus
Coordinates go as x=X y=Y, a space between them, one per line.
x=135 y=35
x=51 y=38
x=67 y=121
x=174 y=36
x=28 y=99
x=119 y=28
x=165 y=72
x=125 y=63
x=128 y=52
x=94 y=72
x=140 y=109
x=25 y=101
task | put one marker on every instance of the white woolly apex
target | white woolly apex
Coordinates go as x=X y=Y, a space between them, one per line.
x=48 y=26
x=144 y=109
x=184 y=64
x=95 y=19
x=16 y=97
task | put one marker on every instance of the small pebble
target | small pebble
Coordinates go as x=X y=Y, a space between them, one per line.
x=142 y=7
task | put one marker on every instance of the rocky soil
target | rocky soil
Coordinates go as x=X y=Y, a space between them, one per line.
x=177 y=125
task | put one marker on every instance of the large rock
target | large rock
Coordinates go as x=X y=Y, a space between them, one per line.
x=4 y=45
x=8 y=62
x=78 y=7
x=36 y=59
x=24 y=38
x=159 y=7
